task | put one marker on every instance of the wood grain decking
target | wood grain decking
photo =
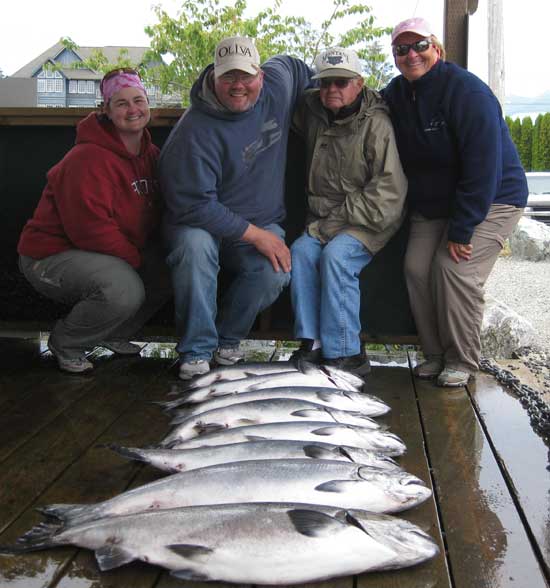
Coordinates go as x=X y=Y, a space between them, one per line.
x=490 y=512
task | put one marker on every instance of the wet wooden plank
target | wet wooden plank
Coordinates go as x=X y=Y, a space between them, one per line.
x=95 y=474
x=391 y=381
x=521 y=453
x=37 y=463
x=45 y=393
x=486 y=541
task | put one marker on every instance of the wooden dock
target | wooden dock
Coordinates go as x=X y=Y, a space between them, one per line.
x=490 y=511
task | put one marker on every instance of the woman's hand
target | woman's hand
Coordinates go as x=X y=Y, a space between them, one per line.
x=459 y=251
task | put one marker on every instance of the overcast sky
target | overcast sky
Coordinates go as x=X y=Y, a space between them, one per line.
x=29 y=27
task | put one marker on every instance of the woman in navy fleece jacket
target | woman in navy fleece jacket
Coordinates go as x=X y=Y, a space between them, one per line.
x=466 y=193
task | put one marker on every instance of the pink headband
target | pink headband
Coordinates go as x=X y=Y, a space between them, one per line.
x=116 y=82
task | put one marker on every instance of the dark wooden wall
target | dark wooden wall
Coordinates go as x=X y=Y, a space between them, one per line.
x=33 y=140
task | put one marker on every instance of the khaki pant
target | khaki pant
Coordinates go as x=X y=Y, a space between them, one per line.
x=109 y=299
x=447 y=298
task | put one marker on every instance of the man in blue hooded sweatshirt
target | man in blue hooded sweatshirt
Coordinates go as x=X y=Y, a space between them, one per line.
x=222 y=177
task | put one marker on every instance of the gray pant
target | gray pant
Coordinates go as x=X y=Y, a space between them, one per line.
x=110 y=299
x=447 y=298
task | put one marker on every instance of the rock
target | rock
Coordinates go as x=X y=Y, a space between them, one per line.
x=503 y=331
x=530 y=240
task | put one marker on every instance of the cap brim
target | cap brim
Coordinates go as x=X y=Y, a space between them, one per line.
x=334 y=72
x=250 y=68
x=421 y=32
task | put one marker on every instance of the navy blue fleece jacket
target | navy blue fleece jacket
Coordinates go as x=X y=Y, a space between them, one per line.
x=455 y=148
x=221 y=170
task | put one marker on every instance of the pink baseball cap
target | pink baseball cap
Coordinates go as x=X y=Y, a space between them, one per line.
x=417 y=25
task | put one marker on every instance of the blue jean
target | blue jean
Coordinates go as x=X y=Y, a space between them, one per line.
x=195 y=259
x=325 y=292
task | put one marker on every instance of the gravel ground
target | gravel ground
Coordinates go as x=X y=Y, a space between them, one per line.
x=525 y=287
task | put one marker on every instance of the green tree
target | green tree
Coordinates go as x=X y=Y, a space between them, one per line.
x=190 y=38
x=535 y=152
x=544 y=143
x=526 y=144
x=515 y=131
x=97 y=61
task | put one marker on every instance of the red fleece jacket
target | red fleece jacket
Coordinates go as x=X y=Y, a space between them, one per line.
x=99 y=197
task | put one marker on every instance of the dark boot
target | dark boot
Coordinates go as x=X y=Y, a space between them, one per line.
x=356 y=364
x=306 y=353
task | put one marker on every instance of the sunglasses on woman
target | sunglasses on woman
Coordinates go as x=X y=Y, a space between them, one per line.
x=338 y=82
x=419 y=47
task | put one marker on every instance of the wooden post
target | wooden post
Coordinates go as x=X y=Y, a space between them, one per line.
x=495 y=40
x=456 y=29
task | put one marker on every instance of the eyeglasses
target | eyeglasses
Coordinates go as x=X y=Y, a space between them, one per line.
x=338 y=82
x=231 y=78
x=117 y=72
x=419 y=47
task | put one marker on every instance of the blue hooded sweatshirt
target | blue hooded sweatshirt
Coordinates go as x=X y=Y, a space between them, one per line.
x=455 y=148
x=220 y=170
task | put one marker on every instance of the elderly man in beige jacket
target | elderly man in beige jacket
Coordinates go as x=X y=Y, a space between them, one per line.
x=356 y=191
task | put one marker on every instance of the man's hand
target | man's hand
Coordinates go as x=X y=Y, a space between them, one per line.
x=269 y=245
x=459 y=251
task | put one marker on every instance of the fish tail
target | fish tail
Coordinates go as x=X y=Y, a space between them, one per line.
x=127 y=452
x=40 y=537
x=66 y=513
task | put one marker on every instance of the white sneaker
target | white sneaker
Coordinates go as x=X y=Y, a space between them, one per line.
x=430 y=368
x=121 y=347
x=73 y=365
x=190 y=369
x=452 y=378
x=228 y=355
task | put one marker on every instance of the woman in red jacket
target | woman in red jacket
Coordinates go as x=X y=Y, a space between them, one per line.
x=86 y=243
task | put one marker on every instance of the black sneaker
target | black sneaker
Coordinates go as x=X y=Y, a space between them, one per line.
x=306 y=353
x=356 y=364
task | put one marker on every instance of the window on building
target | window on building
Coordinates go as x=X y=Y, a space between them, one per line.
x=90 y=87
x=73 y=87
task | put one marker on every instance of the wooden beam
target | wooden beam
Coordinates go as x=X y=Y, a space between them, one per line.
x=456 y=29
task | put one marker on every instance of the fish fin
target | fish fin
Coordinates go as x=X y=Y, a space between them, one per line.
x=350 y=519
x=334 y=486
x=306 y=412
x=189 y=550
x=317 y=452
x=40 y=537
x=312 y=523
x=112 y=556
x=326 y=396
x=190 y=575
x=62 y=512
x=255 y=438
x=127 y=452
x=344 y=453
x=323 y=431
x=202 y=428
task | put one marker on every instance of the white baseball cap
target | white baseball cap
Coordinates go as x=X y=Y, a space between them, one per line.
x=236 y=53
x=337 y=62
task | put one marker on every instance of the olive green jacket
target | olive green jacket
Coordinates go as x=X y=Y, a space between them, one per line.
x=355 y=182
